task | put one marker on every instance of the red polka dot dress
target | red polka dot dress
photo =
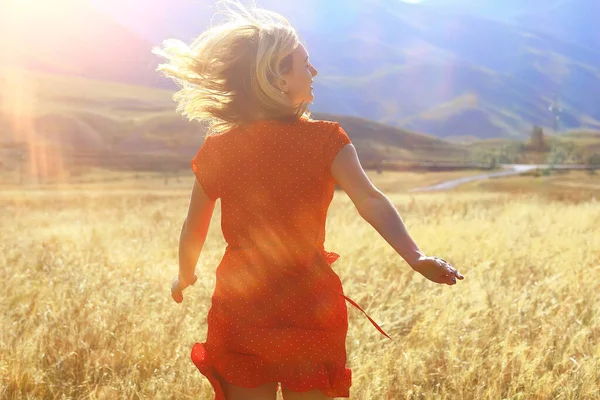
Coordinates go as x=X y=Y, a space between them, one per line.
x=278 y=311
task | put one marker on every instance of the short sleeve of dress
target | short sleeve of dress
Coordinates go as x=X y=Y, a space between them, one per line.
x=335 y=141
x=205 y=167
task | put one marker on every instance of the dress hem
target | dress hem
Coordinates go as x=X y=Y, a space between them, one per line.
x=338 y=387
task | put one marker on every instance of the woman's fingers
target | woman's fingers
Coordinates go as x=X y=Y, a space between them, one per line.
x=176 y=292
x=177 y=296
x=452 y=273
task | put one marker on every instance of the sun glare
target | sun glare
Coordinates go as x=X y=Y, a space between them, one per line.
x=22 y=24
x=27 y=6
x=20 y=101
x=27 y=20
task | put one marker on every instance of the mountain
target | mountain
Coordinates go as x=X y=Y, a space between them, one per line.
x=508 y=10
x=513 y=72
x=574 y=21
x=570 y=21
x=447 y=70
x=69 y=120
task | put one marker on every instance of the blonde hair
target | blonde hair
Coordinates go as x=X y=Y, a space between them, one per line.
x=229 y=74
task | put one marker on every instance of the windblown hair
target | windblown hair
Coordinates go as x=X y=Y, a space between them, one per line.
x=228 y=75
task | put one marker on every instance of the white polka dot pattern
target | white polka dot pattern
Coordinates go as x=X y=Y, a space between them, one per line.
x=278 y=313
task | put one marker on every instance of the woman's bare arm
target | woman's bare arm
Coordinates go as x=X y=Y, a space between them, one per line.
x=372 y=204
x=377 y=210
x=193 y=233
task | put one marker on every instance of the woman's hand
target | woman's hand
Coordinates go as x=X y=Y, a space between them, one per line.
x=178 y=287
x=437 y=270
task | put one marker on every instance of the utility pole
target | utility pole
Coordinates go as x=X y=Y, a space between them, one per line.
x=555 y=108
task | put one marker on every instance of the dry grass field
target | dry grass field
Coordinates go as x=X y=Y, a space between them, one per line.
x=86 y=310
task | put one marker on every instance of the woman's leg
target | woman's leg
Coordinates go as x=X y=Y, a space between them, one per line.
x=310 y=395
x=264 y=392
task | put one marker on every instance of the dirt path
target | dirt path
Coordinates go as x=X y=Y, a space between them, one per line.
x=509 y=170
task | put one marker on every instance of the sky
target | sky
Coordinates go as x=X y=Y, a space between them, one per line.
x=153 y=19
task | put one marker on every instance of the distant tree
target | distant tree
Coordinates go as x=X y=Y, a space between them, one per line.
x=493 y=164
x=505 y=158
x=593 y=162
x=538 y=142
x=557 y=156
x=508 y=153
x=568 y=148
x=563 y=152
x=547 y=171
x=520 y=159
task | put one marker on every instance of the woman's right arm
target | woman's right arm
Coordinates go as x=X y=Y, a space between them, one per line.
x=377 y=210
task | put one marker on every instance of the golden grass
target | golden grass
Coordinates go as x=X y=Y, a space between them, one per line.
x=564 y=186
x=86 y=310
x=403 y=181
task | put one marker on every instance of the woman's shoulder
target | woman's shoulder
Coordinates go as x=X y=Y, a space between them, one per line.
x=320 y=125
x=317 y=127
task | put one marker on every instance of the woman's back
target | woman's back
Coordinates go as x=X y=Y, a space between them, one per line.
x=274 y=181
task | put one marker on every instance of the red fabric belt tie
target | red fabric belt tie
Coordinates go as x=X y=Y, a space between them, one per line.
x=367 y=315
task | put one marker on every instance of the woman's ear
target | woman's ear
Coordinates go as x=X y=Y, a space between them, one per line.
x=282 y=85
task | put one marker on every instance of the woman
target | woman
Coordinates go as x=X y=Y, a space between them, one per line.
x=278 y=314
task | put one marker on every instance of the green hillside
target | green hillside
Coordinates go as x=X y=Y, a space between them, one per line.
x=90 y=121
x=575 y=147
x=378 y=141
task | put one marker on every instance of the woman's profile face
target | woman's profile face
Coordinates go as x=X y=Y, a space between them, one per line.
x=298 y=81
